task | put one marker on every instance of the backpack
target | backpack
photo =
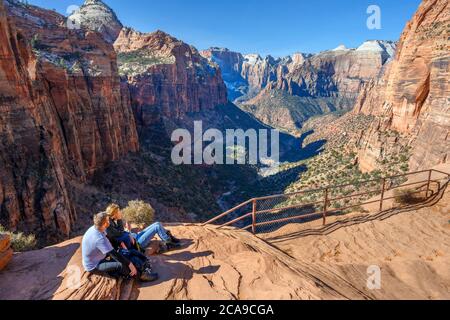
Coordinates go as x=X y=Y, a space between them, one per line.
x=136 y=257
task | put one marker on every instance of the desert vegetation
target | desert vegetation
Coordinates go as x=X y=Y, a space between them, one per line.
x=337 y=164
x=139 y=212
x=139 y=61
x=409 y=196
x=20 y=242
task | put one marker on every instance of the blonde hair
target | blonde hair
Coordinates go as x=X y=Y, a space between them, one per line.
x=112 y=209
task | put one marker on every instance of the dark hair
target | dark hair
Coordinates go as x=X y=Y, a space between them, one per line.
x=100 y=219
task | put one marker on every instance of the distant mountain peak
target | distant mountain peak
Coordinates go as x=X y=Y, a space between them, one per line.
x=252 y=58
x=386 y=48
x=342 y=47
x=374 y=45
x=95 y=15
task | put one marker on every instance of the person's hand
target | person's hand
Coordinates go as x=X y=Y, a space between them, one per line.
x=123 y=246
x=133 y=269
x=133 y=240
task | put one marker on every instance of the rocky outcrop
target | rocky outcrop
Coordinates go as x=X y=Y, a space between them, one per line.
x=95 y=15
x=412 y=97
x=337 y=73
x=246 y=75
x=230 y=264
x=57 y=273
x=224 y=264
x=6 y=253
x=230 y=64
x=259 y=71
x=166 y=77
x=63 y=116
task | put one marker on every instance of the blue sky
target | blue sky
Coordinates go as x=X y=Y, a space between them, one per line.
x=277 y=27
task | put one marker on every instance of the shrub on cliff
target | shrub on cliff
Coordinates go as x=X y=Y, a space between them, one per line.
x=409 y=196
x=139 y=212
x=19 y=241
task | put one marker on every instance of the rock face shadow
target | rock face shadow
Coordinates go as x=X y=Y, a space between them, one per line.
x=36 y=275
x=296 y=150
x=176 y=266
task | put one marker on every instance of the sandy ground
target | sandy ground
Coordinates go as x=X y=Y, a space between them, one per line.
x=412 y=248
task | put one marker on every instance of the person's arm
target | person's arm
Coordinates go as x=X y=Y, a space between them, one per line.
x=127 y=226
x=118 y=257
x=133 y=240
x=113 y=232
x=120 y=226
x=130 y=268
x=104 y=245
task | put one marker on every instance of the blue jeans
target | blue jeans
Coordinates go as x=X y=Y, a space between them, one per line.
x=113 y=268
x=125 y=238
x=144 y=237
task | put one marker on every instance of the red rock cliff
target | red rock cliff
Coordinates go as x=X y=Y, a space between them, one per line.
x=338 y=72
x=167 y=77
x=62 y=116
x=412 y=97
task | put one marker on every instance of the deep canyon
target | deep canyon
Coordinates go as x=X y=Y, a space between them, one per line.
x=87 y=113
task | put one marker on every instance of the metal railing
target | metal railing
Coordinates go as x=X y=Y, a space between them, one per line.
x=258 y=214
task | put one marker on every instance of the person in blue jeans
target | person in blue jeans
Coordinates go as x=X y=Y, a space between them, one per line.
x=120 y=238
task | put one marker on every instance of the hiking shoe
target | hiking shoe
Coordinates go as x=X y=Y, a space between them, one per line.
x=174 y=240
x=167 y=246
x=147 y=265
x=148 y=276
x=172 y=245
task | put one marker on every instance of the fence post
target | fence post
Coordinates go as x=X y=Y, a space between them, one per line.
x=429 y=183
x=254 y=216
x=325 y=207
x=383 y=190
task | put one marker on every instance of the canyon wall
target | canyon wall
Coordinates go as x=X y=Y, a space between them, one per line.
x=412 y=96
x=6 y=253
x=246 y=75
x=72 y=105
x=166 y=77
x=63 y=116
x=326 y=82
x=162 y=77
x=339 y=72
x=285 y=92
x=230 y=64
